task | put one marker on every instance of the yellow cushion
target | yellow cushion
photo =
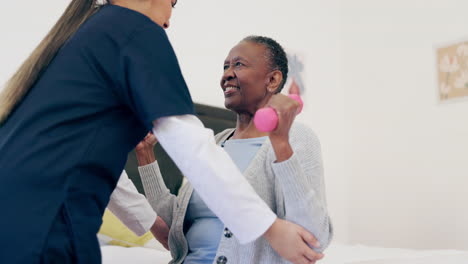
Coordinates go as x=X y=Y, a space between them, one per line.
x=114 y=232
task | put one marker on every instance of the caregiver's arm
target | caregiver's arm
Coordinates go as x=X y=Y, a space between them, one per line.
x=131 y=207
x=224 y=189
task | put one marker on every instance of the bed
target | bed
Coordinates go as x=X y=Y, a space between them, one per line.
x=335 y=254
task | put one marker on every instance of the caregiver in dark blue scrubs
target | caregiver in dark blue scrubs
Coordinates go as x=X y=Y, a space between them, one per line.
x=101 y=79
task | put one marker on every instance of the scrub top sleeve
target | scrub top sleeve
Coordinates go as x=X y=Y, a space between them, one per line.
x=152 y=84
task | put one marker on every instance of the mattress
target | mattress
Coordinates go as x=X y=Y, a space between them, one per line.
x=335 y=254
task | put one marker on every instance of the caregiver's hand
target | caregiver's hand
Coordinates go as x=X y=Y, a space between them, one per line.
x=160 y=231
x=291 y=242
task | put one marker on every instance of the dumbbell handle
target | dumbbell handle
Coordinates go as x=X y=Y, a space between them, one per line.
x=266 y=119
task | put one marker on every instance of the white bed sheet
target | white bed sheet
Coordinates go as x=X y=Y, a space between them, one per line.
x=335 y=254
x=360 y=254
x=134 y=255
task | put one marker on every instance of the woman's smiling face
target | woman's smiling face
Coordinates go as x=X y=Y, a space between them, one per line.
x=246 y=77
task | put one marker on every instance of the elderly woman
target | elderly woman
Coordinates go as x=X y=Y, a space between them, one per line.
x=284 y=166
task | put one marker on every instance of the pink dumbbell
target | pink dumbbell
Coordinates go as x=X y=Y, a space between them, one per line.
x=266 y=119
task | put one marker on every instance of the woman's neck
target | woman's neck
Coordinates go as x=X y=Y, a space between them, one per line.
x=245 y=127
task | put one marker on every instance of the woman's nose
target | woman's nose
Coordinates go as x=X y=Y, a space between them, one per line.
x=228 y=74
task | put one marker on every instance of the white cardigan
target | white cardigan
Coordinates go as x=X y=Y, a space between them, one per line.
x=293 y=189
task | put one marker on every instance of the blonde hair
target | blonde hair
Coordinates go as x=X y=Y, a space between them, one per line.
x=77 y=12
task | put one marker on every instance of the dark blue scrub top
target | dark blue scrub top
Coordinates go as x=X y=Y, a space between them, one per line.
x=64 y=146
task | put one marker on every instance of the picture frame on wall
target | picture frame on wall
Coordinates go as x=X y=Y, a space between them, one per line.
x=452 y=71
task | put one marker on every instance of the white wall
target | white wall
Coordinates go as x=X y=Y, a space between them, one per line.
x=23 y=24
x=406 y=154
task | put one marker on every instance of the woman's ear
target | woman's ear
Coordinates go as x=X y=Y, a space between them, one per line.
x=274 y=80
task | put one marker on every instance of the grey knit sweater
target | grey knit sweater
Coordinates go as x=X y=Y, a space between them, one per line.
x=294 y=189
